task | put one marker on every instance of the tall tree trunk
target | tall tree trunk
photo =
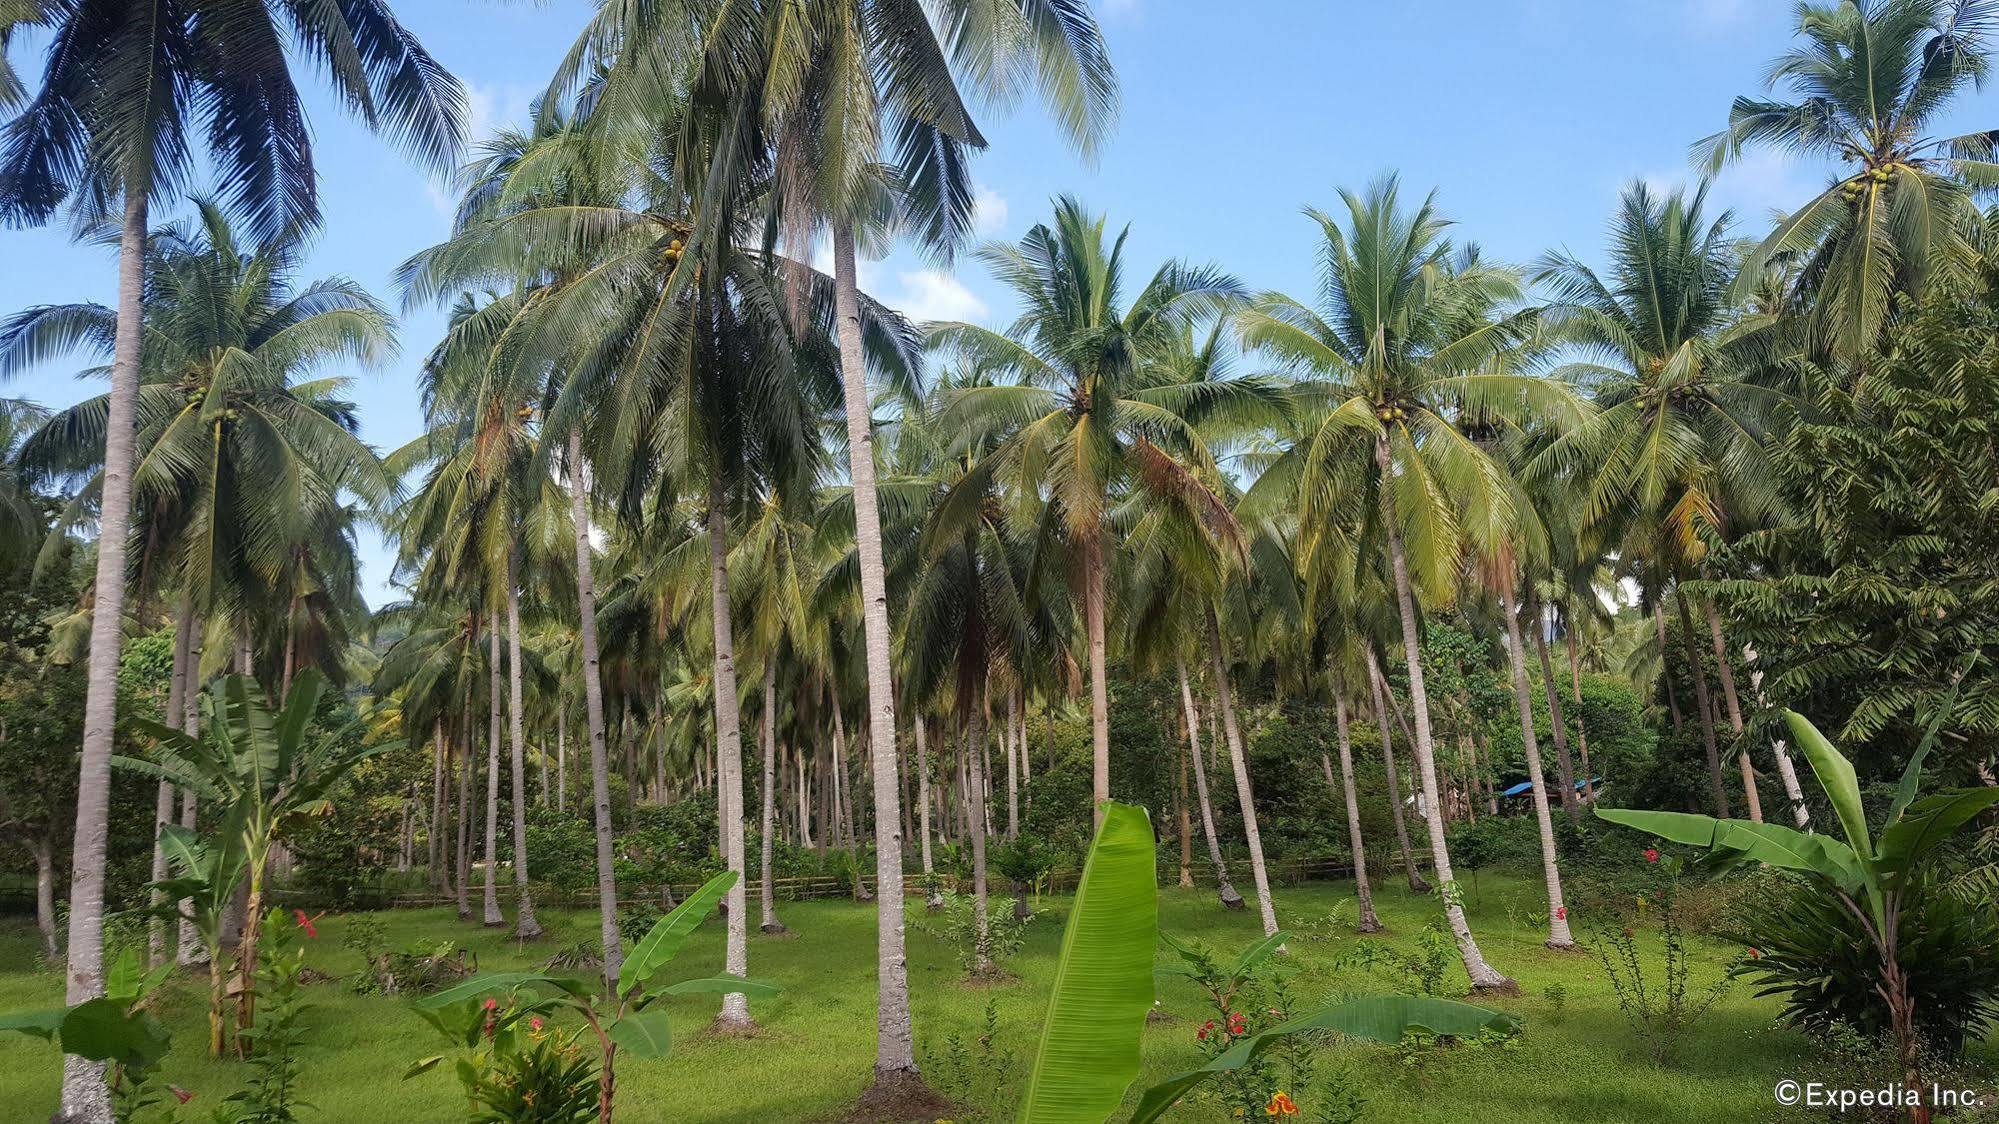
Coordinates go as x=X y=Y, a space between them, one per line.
x=1227 y=890
x=191 y=951
x=1565 y=769
x=1183 y=814
x=1092 y=550
x=562 y=754
x=1378 y=686
x=1516 y=655
x=1239 y=763
x=464 y=867
x=593 y=708
x=439 y=761
x=1786 y=771
x=768 y=895
x=1750 y=796
x=1703 y=703
x=735 y=1014
x=1483 y=976
x=526 y=927
x=1666 y=660
x=491 y=916
x=1012 y=768
x=85 y=1098
x=975 y=757
x=934 y=899
x=163 y=797
x=1369 y=922
x=1576 y=692
x=804 y=787
x=45 y=899
x=895 y=1038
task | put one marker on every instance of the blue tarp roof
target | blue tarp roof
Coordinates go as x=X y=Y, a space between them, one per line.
x=1525 y=786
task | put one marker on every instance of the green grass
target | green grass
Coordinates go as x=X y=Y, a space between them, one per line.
x=817 y=1043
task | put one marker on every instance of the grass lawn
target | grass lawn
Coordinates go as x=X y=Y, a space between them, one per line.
x=817 y=1042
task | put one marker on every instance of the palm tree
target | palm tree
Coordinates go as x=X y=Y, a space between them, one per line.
x=110 y=120
x=831 y=78
x=1408 y=345
x=1870 y=77
x=1678 y=450
x=1087 y=415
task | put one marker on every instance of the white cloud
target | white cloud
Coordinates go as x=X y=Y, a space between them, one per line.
x=491 y=107
x=932 y=294
x=988 y=212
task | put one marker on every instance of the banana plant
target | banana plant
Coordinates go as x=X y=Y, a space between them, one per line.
x=1868 y=874
x=626 y=1021
x=115 y=1028
x=203 y=876
x=1089 y=1050
x=262 y=765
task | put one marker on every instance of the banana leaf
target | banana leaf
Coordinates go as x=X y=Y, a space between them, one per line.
x=669 y=934
x=1103 y=982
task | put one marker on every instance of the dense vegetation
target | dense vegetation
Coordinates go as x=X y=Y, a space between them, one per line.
x=1666 y=579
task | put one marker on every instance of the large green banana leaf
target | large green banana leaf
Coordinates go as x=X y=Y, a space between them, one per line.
x=1103 y=983
x=1743 y=841
x=669 y=934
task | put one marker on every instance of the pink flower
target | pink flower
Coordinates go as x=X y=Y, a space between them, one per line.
x=1276 y=1014
x=180 y=1094
x=1561 y=913
x=534 y=1023
x=1651 y=854
x=492 y=1004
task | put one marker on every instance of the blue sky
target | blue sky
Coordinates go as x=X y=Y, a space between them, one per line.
x=1525 y=115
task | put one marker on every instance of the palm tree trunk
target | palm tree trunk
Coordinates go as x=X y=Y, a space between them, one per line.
x=768 y=896
x=1239 y=763
x=562 y=754
x=1379 y=688
x=85 y=1098
x=593 y=708
x=1369 y=922
x=1750 y=796
x=1565 y=769
x=1092 y=549
x=463 y=872
x=935 y=898
x=491 y=916
x=1483 y=977
x=1786 y=771
x=1184 y=814
x=1516 y=655
x=895 y=1038
x=45 y=898
x=1666 y=662
x=1227 y=890
x=163 y=797
x=1576 y=692
x=192 y=951
x=1012 y=765
x=439 y=757
x=735 y=1014
x=526 y=927
x=1703 y=703
x=975 y=758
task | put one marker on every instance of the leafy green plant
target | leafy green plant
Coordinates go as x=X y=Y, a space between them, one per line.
x=271 y=1094
x=115 y=1028
x=978 y=1071
x=1422 y=971
x=260 y=766
x=1103 y=989
x=1662 y=1009
x=204 y=874
x=954 y=922
x=1869 y=876
x=629 y=1020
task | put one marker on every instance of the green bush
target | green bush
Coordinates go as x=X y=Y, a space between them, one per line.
x=1809 y=950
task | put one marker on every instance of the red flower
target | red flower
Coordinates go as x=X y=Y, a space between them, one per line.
x=1561 y=913
x=1206 y=1028
x=306 y=923
x=1755 y=953
x=534 y=1023
x=180 y=1094
x=1651 y=854
x=492 y=1004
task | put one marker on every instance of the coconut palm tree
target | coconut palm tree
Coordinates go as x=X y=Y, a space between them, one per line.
x=110 y=120
x=1869 y=79
x=1087 y=416
x=1409 y=344
x=1687 y=397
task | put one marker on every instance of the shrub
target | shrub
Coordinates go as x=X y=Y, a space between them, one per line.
x=955 y=925
x=1660 y=1009
x=1811 y=951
